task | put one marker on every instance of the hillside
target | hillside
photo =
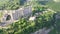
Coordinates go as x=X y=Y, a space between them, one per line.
x=43 y=19
x=54 y=5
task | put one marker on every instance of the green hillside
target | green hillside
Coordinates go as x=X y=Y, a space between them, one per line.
x=54 y=5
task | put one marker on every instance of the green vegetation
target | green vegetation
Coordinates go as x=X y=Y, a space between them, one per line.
x=11 y=4
x=53 y=31
x=38 y=8
x=45 y=18
x=56 y=27
x=1 y=14
x=53 y=5
x=24 y=26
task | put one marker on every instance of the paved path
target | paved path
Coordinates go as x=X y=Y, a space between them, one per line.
x=42 y=31
x=3 y=24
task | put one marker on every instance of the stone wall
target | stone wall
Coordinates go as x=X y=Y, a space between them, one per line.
x=16 y=14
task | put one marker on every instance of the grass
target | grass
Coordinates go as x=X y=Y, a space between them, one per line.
x=1 y=14
x=54 y=5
